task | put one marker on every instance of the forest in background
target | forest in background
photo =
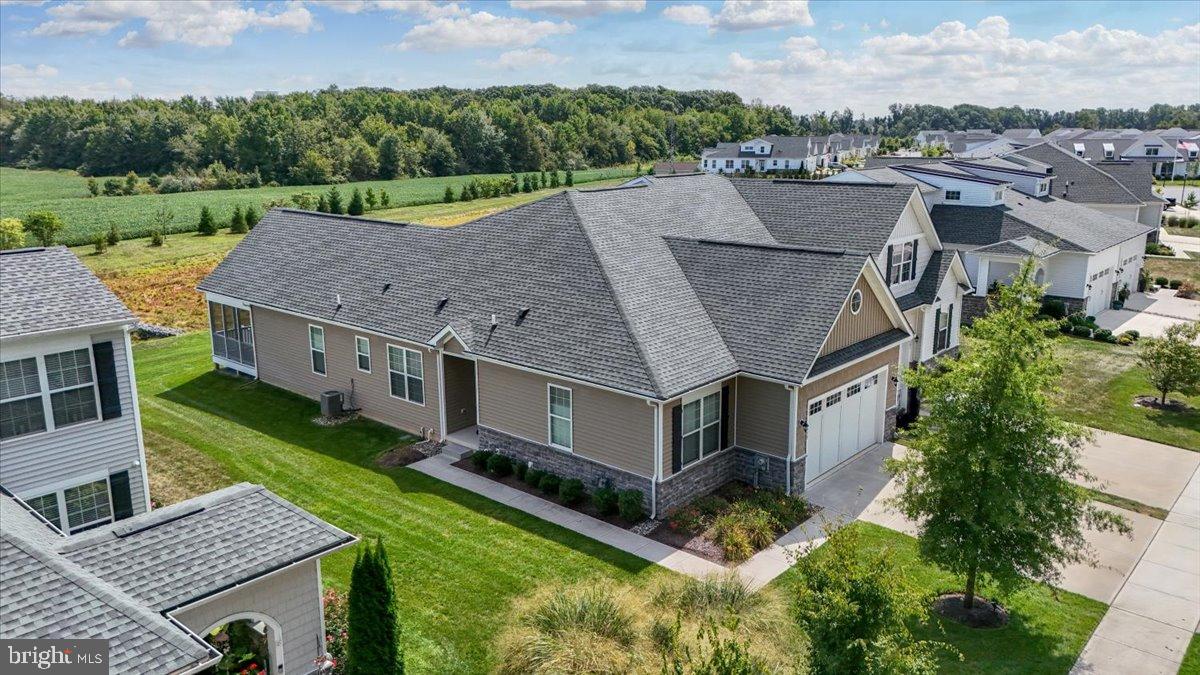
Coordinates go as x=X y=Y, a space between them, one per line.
x=335 y=135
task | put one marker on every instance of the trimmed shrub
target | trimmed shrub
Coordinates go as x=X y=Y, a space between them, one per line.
x=1160 y=281
x=605 y=501
x=480 y=458
x=114 y=235
x=533 y=477
x=101 y=243
x=519 y=469
x=549 y=484
x=629 y=505
x=1175 y=284
x=499 y=465
x=1081 y=331
x=1124 y=340
x=1054 y=308
x=1104 y=335
x=570 y=491
x=1133 y=334
x=157 y=238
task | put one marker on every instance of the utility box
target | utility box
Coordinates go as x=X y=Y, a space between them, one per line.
x=331 y=403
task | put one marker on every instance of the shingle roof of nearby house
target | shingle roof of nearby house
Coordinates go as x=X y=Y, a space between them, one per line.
x=1022 y=134
x=792 y=147
x=888 y=175
x=118 y=582
x=48 y=289
x=1021 y=247
x=1071 y=227
x=1135 y=176
x=857 y=350
x=610 y=305
x=772 y=304
x=1088 y=183
x=881 y=161
x=667 y=168
x=927 y=288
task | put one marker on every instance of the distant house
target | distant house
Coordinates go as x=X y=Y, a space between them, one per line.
x=1170 y=153
x=667 y=336
x=771 y=154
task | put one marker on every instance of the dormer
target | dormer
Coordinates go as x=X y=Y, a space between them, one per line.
x=757 y=146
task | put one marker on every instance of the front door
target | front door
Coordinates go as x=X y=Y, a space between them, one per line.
x=459 y=397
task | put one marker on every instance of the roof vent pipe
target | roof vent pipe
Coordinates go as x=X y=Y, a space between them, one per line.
x=494 y=322
x=338 y=297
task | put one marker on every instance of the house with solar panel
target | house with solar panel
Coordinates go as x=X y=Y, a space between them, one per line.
x=82 y=555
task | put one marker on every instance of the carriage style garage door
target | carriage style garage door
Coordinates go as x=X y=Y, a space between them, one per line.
x=843 y=422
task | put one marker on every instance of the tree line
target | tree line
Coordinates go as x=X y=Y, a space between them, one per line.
x=336 y=135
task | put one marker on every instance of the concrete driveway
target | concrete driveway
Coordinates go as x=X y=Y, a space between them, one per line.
x=1151 y=473
x=1150 y=314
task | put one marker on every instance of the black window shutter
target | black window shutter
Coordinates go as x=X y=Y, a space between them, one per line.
x=724 y=417
x=121 y=496
x=889 y=265
x=676 y=438
x=106 y=379
x=937 y=333
x=913 y=275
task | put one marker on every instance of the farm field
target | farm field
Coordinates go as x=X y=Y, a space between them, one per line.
x=65 y=193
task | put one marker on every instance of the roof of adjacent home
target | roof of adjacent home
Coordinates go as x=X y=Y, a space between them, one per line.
x=1020 y=247
x=1135 y=176
x=119 y=582
x=927 y=288
x=1062 y=224
x=608 y=301
x=48 y=289
x=1088 y=184
x=1022 y=134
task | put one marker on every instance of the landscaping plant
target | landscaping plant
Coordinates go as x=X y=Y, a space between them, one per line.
x=373 y=645
x=12 y=234
x=336 y=630
x=629 y=505
x=991 y=471
x=605 y=501
x=479 y=458
x=570 y=491
x=499 y=465
x=1173 y=360
x=43 y=226
x=549 y=484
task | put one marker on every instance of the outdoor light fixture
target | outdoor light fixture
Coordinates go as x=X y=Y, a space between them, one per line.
x=803 y=424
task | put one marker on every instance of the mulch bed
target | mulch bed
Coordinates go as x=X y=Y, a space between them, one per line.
x=696 y=544
x=403 y=455
x=585 y=506
x=1172 y=405
x=985 y=613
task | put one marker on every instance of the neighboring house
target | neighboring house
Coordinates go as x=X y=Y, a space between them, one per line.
x=82 y=555
x=956 y=142
x=158 y=583
x=1023 y=135
x=770 y=154
x=996 y=215
x=669 y=168
x=70 y=438
x=1170 y=153
x=667 y=336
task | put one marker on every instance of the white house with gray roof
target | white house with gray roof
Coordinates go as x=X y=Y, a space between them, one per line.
x=772 y=154
x=667 y=336
x=70 y=437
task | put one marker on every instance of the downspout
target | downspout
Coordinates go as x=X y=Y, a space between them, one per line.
x=658 y=411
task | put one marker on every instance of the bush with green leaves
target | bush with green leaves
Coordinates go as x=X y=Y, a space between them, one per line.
x=251 y=217
x=373 y=644
x=334 y=199
x=237 y=222
x=499 y=465
x=100 y=244
x=356 y=207
x=1054 y=308
x=1160 y=281
x=533 y=477
x=157 y=238
x=43 y=226
x=1175 y=284
x=549 y=484
x=479 y=458
x=207 y=226
x=12 y=234
x=571 y=492
x=629 y=505
x=605 y=501
x=519 y=469
x=113 y=237
x=743 y=530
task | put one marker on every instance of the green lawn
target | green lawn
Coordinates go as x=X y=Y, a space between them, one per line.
x=1099 y=383
x=459 y=559
x=1046 y=631
x=65 y=193
x=1191 y=660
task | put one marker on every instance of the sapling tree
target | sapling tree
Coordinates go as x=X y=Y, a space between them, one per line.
x=991 y=471
x=43 y=226
x=1172 y=361
x=208 y=225
x=372 y=616
x=356 y=206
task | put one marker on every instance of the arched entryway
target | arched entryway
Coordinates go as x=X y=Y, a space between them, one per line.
x=251 y=642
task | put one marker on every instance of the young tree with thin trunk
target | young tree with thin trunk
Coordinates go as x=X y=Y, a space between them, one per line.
x=1172 y=361
x=373 y=646
x=991 y=471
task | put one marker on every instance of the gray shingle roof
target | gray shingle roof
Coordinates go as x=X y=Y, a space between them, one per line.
x=1135 y=176
x=1021 y=246
x=859 y=216
x=772 y=304
x=180 y=553
x=1022 y=134
x=1088 y=184
x=48 y=289
x=927 y=288
x=857 y=350
x=1068 y=226
x=880 y=161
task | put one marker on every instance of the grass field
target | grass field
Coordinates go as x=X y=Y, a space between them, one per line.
x=1099 y=383
x=66 y=194
x=459 y=560
x=1184 y=231
x=1046 y=631
x=1191 y=660
x=1174 y=268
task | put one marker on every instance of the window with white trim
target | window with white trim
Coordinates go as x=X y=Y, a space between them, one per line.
x=362 y=352
x=316 y=348
x=406 y=374
x=701 y=428
x=856 y=300
x=21 y=410
x=904 y=268
x=47 y=506
x=729 y=164
x=1151 y=152
x=953 y=195
x=941 y=338
x=561 y=417
x=88 y=505
x=72 y=388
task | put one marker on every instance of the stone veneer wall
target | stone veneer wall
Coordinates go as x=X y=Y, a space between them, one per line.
x=1073 y=304
x=974 y=306
x=565 y=464
x=716 y=470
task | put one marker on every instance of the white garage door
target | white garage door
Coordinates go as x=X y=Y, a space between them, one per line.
x=843 y=422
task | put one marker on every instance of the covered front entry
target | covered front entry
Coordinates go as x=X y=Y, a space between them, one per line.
x=460 y=399
x=843 y=422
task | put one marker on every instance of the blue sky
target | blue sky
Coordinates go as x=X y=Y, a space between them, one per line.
x=810 y=56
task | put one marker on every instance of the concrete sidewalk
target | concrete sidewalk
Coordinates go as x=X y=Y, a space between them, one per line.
x=1153 y=617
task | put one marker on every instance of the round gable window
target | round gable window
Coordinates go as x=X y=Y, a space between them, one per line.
x=855 y=301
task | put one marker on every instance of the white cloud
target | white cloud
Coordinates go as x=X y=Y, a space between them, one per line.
x=578 y=8
x=883 y=23
x=201 y=23
x=523 y=59
x=984 y=64
x=836 y=26
x=743 y=15
x=480 y=29
x=43 y=80
x=426 y=9
x=17 y=71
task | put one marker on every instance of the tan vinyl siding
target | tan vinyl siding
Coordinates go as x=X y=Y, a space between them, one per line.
x=763 y=413
x=607 y=427
x=460 y=393
x=850 y=328
x=283 y=360
x=837 y=378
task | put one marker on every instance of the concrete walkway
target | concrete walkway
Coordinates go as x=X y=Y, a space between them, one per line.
x=1150 y=314
x=1153 y=617
x=1145 y=471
